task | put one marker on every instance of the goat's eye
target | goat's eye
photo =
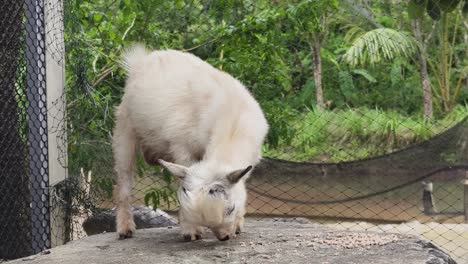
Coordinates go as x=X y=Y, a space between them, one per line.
x=217 y=190
x=184 y=190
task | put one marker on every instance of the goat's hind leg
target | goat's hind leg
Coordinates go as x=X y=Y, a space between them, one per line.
x=124 y=147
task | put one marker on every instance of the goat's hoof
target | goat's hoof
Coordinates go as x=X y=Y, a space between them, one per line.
x=224 y=238
x=189 y=237
x=125 y=235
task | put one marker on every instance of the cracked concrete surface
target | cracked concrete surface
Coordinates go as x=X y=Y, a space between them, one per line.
x=262 y=242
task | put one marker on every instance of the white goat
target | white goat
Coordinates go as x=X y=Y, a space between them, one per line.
x=198 y=122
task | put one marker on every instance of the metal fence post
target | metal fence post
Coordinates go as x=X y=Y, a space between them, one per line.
x=465 y=191
x=57 y=146
x=428 y=198
x=37 y=123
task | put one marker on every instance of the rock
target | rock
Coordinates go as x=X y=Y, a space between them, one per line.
x=145 y=217
x=321 y=245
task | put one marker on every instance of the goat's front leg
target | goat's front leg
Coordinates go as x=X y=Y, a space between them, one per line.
x=191 y=232
x=240 y=225
x=124 y=147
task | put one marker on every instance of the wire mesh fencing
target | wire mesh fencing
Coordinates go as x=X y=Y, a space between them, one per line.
x=357 y=140
x=24 y=161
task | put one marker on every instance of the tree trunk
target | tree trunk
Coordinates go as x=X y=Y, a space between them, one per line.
x=444 y=61
x=465 y=41
x=423 y=73
x=317 y=70
x=15 y=239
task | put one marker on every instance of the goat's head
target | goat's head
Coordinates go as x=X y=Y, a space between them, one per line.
x=211 y=197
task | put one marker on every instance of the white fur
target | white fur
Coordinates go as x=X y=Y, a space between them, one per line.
x=179 y=108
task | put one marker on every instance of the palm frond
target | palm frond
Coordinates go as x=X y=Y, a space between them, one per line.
x=378 y=45
x=353 y=32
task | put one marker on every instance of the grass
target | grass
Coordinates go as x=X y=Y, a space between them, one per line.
x=351 y=134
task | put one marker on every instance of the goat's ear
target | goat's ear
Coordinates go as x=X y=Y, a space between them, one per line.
x=236 y=175
x=177 y=170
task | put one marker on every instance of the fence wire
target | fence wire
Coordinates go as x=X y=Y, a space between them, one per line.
x=24 y=161
x=359 y=155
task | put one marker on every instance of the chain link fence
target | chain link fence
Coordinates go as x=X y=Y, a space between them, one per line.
x=354 y=142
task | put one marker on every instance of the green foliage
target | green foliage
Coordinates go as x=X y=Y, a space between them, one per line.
x=364 y=74
x=307 y=15
x=416 y=8
x=434 y=8
x=351 y=134
x=279 y=116
x=378 y=45
x=446 y=78
x=163 y=195
x=370 y=80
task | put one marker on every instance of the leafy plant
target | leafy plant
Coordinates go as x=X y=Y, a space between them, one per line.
x=447 y=80
x=165 y=194
x=343 y=135
x=378 y=45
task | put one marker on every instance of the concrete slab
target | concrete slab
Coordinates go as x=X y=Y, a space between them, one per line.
x=262 y=242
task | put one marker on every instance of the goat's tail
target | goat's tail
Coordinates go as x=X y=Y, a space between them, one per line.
x=132 y=57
